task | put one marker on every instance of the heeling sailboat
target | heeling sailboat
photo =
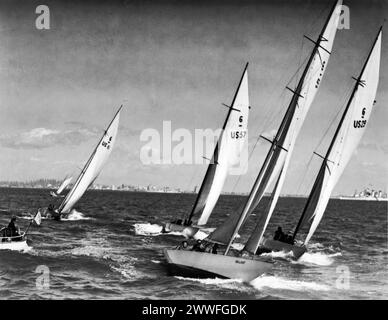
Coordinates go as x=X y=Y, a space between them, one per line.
x=62 y=187
x=276 y=162
x=92 y=168
x=348 y=134
x=226 y=154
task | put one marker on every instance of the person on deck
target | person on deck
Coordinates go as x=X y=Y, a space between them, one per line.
x=51 y=213
x=279 y=234
x=198 y=246
x=214 y=249
x=13 y=228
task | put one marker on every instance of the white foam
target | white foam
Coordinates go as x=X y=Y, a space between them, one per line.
x=281 y=283
x=127 y=271
x=317 y=258
x=156 y=261
x=210 y=281
x=278 y=254
x=230 y=284
x=147 y=229
x=90 y=251
x=75 y=215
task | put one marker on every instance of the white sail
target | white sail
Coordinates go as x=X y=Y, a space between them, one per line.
x=350 y=133
x=63 y=185
x=231 y=144
x=310 y=88
x=278 y=157
x=93 y=166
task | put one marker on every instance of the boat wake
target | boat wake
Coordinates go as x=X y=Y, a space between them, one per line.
x=148 y=229
x=234 y=284
x=278 y=254
x=286 y=284
x=75 y=215
x=317 y=258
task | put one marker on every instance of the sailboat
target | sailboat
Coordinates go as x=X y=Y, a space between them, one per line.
x=275 y=163
x=348 y=134
x=91 y=170
x=62 y=187
x=226 y=155
x=10 y=241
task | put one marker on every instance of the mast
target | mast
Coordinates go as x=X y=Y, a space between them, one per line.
x=214 y=161
x=277 y=145
x=315 y=191
x=68 y=196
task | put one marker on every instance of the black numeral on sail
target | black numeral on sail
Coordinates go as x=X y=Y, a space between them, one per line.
x=238 y=134
x=359 y=123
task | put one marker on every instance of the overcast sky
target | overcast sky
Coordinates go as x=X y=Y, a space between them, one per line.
x=176 y=61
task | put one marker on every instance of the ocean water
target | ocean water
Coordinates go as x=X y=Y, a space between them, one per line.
x=111 y=248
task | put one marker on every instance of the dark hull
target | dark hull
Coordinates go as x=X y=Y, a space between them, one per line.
x=270 y=245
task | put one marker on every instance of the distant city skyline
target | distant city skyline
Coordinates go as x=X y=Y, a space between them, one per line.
x=59 y=88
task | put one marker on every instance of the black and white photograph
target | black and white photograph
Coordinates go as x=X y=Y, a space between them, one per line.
x=193 y=151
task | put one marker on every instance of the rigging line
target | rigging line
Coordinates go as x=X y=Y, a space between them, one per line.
x=276 y=101
x=271 y=121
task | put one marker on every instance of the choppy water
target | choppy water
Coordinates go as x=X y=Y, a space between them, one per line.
x=99 y=254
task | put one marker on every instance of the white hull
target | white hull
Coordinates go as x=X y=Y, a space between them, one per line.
x=208 y=265
x=14 y=245
x=363 y=199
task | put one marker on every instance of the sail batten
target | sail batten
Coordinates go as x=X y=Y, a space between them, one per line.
x=226 y=153
x=93 y=166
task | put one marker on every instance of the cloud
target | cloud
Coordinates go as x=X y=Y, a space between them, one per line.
x=41 y=138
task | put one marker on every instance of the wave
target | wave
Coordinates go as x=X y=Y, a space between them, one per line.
x=147 y=229
x=281 y=283
x=278 y=254
x=211 y=281
x=317 y=258
x=231 y=284
x=75 y=215
x=156 y=261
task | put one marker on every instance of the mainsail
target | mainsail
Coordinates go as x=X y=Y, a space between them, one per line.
x=346 y=138
x=278 y=156
x=226 y=154
x=63 y=185
x=93 y=166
